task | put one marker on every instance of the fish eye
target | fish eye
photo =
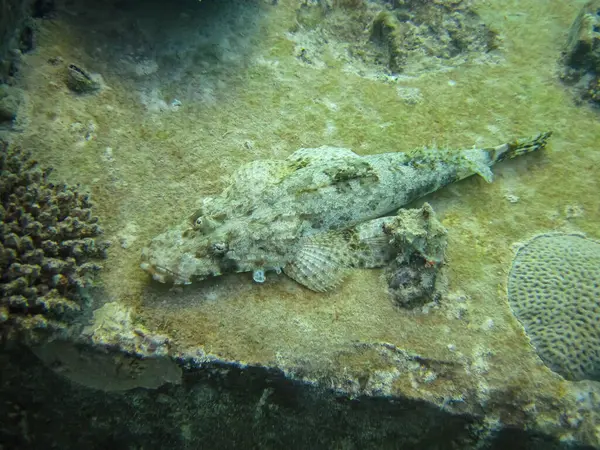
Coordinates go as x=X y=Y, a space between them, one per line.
x=203 y=223
x=219 y=248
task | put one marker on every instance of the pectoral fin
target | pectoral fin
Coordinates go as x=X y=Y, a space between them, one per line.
x=321 y=262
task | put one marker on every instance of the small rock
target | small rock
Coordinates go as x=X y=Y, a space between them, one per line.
x=81 y=81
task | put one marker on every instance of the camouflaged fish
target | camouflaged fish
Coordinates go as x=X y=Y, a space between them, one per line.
x=311 y=215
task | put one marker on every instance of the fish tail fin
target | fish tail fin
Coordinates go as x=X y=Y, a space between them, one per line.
x=519 y=147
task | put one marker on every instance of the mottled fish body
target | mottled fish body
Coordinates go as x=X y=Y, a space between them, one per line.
x=299 y=214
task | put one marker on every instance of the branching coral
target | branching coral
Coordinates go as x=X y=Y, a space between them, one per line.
x=47 y=247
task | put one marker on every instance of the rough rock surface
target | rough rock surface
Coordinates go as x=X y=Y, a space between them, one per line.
x=422 y=241
x=226 y=406
x=393 y=37
x=581 y=57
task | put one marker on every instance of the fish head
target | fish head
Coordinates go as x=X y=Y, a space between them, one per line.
x=194 y=249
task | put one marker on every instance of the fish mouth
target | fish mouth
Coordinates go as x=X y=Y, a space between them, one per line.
x=163 y=275
x=160 y=273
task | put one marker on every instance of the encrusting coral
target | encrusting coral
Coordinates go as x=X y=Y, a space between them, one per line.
x=553 y=289
x=48 y=247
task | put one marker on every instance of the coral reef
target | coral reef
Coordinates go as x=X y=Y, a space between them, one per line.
x=581 y=57
x=553 y=289
x=48 y=247
x=421 y=241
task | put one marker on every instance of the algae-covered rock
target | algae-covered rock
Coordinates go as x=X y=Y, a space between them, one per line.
x=387 y=32
x=581 y=57
x=10 y=99
x=13 y=28
x=404 y=36
x=421 y=241
x=582 y=51
x=275 y=365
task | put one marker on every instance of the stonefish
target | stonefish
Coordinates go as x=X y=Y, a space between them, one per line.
x=309 y=214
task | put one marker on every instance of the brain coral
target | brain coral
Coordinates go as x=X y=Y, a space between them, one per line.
x=47 y=247
x=554 y=290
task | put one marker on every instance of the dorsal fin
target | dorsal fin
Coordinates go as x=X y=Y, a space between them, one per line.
x=310 y=155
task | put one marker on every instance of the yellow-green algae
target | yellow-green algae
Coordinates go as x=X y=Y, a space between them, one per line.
x=160 y=165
